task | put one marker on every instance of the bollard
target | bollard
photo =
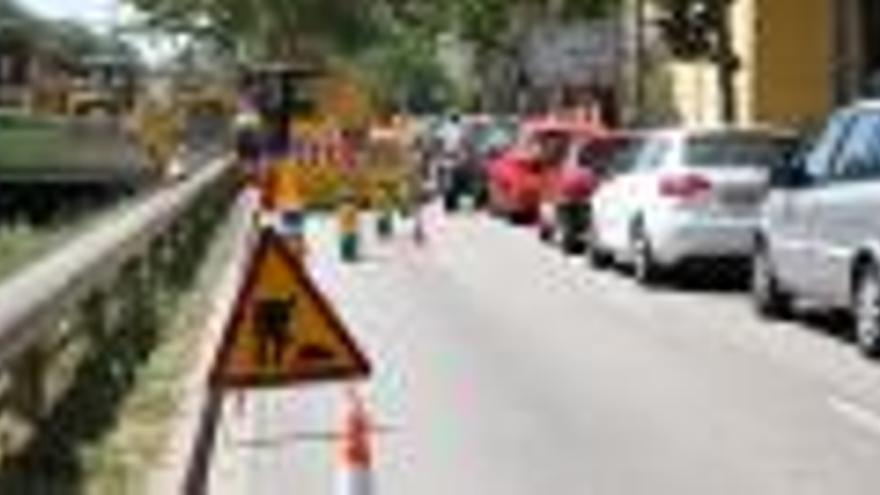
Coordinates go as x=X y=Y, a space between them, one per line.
x=385 y=218
x=385 y=224
x=349 y=236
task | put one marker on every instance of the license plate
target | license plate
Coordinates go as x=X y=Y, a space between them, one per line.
x=741 y=197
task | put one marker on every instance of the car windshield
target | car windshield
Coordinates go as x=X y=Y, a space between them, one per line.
x=749 y=150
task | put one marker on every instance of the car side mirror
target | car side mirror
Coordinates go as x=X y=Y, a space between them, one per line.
x=792 y=175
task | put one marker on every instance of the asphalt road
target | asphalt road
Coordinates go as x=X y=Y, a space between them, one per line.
x=503 y=367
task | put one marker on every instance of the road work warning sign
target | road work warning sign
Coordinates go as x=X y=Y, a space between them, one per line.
x=282 y=330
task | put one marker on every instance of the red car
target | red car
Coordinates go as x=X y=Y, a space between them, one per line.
x=515 y=186
x=565 y=207
x=534 y=170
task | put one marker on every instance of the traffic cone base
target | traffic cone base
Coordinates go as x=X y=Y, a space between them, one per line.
x=355 y=477
x=355 y=483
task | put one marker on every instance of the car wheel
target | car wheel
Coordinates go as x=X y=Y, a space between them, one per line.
x=866 y=311
x=645 y=269
x=450 y=201
x=571 y=245
x=768 y=298
x=598 y=258
x=546 y=233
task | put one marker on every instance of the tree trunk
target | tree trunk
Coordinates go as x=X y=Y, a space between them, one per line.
x=640 y=64
x=727 y=64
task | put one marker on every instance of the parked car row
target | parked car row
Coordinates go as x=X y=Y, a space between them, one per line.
x=804 y=217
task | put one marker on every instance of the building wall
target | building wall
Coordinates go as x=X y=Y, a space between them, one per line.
x=792 y=80
x=695 y=92
x=856 y=61
x=785 y=48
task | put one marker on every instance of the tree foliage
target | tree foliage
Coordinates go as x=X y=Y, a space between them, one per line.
x=267 y=28
x=65 y=39
x=393 y=41
x=490 y=25
x=693 y=28
x=348 y=26
x=700 y=30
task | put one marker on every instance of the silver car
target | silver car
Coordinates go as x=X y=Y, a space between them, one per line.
x=819 y=238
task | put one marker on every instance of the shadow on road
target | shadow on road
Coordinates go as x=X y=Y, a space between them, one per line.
x=716 y=278
x=731 y=279
x=832 y=324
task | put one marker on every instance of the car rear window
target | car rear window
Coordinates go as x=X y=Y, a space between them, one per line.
x=495 y=137
x=738 y=150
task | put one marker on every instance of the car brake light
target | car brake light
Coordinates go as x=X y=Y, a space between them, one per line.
x=687 y=186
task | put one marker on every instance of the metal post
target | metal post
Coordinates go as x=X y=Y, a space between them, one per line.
x=198 y=472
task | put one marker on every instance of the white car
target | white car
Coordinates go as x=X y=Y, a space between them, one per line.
x=686 y=194
x=820 y=236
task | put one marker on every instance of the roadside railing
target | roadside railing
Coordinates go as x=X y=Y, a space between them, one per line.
x=75 y=325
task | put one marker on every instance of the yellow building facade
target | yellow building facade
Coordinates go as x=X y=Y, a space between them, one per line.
x=799 y=59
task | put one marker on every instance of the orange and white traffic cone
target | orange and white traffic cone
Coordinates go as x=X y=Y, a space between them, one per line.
x=355 y=477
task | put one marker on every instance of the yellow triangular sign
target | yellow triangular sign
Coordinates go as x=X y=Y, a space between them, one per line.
x=282 y=330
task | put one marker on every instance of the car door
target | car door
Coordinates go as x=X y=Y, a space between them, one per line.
x=845 y=212
x=665 y=156
x=606 y=202
x=791 y=211
x=607 y=211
